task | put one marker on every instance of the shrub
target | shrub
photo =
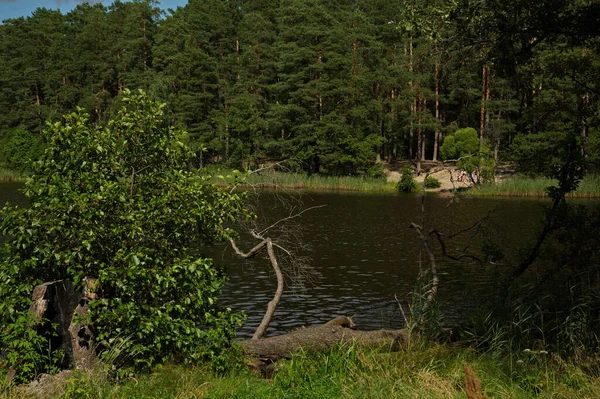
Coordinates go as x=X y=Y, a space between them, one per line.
x=464 y=146
x=431 y=182
x=407 y=182
x=118 y=203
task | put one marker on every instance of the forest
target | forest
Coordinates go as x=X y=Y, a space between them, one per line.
x=334 y=87
x=124 y=107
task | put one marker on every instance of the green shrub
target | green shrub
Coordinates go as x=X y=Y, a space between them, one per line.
x=463 y=145
x=407 y=182
x=431 y=182
x=118 y=203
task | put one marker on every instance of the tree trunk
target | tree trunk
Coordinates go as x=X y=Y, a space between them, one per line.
x=319 y=338
x=488 y=84
x=413 y=105
x=58 y=302
x=437 y=133
x=423 y=146
x=485 y=96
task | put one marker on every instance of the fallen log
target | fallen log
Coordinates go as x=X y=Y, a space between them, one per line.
x=312 y=339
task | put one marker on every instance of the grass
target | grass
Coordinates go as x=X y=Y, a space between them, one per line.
x=512 y=187
x=349 y=371
x=535 y=187
x=7 y=176
x=299 y=181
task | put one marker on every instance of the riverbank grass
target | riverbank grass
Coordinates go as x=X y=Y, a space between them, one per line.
x=300 y=181
x=535 y=187
x=349 y=371
x=8 y=176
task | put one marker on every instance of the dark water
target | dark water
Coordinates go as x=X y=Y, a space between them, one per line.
x=367 y=256
x=363 y=255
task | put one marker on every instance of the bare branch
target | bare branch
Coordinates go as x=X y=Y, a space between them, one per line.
x=250 y=254
x=290 y=217
x=272 y=166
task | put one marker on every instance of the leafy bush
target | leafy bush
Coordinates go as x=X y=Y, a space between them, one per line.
x=28 y=351
x=464 y=146
x=431 y=182
x=407 y=182
x=118 y=203
x=376 y=171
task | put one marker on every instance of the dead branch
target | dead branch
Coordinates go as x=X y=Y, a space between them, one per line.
x=433 y=267
x=290 y=217
x=474 y=229
x=272 y=305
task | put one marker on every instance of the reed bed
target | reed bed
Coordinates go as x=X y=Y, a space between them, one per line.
x=536 y=187
x=7 y=176
x=272 y=179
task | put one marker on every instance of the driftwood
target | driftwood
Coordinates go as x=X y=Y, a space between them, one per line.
x=311 y=339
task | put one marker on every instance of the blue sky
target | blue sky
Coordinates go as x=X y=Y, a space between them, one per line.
x=24 y=8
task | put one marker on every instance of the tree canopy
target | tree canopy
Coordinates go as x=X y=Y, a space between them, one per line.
x=335 y=86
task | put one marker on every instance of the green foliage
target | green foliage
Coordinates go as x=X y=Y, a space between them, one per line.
x=18 y=148
x=407 y=183
x=319 y=81
x=348 y=370
x=10 y=176
x=553 y=311
x=118 y=203
x=431 y=182
x=540 y=154
x=27 y=350
x=460 y=144
x=464 y=147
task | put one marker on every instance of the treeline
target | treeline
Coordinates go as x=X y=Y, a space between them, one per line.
x=333 y=86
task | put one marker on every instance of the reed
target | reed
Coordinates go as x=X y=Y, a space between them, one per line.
x=299 y=181
x=536 y=187
x=7 y=176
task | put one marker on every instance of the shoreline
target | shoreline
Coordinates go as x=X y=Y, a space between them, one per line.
x=511 y=186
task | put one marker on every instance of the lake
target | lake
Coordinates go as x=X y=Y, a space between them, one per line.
x=361 y=254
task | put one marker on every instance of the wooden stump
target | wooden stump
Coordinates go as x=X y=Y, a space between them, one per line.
x=58 y=302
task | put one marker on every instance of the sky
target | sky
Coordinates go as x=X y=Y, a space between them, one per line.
x=24 y=8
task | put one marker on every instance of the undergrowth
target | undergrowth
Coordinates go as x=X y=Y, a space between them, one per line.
x=425 y=370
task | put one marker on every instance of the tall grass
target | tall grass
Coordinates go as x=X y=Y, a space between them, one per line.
x=10 y=176
x=350 y=371
x=536 y=187
x=289 y=180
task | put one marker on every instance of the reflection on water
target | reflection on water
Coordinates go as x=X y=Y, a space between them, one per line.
x=365 y=255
